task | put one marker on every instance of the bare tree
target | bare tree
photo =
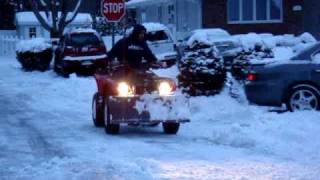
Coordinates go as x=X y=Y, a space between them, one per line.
x=56 y=15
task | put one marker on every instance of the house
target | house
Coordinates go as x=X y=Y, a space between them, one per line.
x=28 y=26
x=235 y=16
x=180 y=16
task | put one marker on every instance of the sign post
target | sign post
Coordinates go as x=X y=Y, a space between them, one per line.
x=113 y=11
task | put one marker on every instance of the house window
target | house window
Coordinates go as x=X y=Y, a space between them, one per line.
x=32 y=32
x=171 y=14
x=255 y=11
x=160 y=14
x=143 y=17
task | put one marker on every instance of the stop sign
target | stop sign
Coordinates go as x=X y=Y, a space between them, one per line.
x=113 y=10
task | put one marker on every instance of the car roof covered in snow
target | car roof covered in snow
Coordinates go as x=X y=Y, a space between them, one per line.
x=212 y=31
x=82 y=30
x=152 y=27
x=208 y=36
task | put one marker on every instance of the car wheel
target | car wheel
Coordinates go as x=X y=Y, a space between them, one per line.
x=60 y=70
x=303 y=98
x=170 y=128
x=108 y=127
x=98 y=110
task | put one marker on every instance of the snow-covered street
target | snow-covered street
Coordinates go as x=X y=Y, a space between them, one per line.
x=47 y=133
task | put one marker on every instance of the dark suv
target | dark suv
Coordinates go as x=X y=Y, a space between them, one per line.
x=80 y=51
x=295 y=81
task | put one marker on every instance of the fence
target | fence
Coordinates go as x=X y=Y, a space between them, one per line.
x=8 y=40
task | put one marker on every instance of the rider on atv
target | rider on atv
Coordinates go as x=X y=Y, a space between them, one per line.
x=133 y=49
x=126 y=84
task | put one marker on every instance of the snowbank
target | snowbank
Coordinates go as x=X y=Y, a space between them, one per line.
x=48 y=134
x=297 y=43
x=33 y=45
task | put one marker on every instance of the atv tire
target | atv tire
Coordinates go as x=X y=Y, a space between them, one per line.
x=97 y=110
x=170 y=127
x=108 y=127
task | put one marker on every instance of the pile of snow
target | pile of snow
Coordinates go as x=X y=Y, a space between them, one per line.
x=33 y=45
x=48 y=134
x=297 y=43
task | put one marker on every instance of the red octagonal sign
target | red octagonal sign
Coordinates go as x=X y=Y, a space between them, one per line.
x=113 y=10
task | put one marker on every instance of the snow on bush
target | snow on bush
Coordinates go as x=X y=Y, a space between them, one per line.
x=243 y=59
x=35 y=45
x=34 y=54
x=201 y=71
x=259 y=48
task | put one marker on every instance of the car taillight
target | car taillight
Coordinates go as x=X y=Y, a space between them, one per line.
x=69 y=51
x=102 y=48
x=252 y=76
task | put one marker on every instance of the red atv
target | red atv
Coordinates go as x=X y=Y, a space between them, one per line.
x=118 y=92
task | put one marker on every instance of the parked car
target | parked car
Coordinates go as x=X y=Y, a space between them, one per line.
x=161 y=42
x=80 y=50
x=294 y=82
x=221 y=39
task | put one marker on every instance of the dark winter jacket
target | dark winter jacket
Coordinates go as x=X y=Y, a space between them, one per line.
x=132 y=52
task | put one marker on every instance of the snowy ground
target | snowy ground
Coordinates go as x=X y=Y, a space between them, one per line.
x=47 y=133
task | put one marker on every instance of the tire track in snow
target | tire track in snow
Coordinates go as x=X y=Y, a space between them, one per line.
x=17 y=120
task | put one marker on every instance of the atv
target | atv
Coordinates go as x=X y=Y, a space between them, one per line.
x=121 y=88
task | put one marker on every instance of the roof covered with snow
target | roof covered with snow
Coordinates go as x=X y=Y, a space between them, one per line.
x=28 y=18
x=135 y=3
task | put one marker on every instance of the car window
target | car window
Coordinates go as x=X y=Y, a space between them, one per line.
x=82 y=39
x=316 y=56
x=157 y=36
x=306 y=53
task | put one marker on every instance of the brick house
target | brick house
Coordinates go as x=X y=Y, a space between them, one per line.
x=243 y=16
x=237 y=16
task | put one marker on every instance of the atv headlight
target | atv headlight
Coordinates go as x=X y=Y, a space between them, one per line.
x=124 y=90
x=165 y=89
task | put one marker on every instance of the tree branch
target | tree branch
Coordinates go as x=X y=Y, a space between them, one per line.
x=74 y=13
x=62 y=19
x=54 y=14
x=36 y=12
